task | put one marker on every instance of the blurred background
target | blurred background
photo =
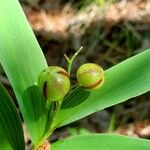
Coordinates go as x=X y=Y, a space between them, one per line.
x=110 y=31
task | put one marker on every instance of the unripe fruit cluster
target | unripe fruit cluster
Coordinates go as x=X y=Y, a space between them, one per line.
x=54 y=82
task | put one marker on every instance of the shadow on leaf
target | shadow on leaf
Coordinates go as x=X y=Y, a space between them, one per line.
x=70 y=102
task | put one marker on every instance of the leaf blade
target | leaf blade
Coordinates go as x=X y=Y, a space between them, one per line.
x=22 y=60
x=11 y=132
x=102 y=142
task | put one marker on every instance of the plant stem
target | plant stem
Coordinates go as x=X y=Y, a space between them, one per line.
x=112 y=123
x=70 y=61
x=55 y=109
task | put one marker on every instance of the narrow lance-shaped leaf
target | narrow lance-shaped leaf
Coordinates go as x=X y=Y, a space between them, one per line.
x=128 y=79
x=22 y=60
x=11 y=133
x=101 y=142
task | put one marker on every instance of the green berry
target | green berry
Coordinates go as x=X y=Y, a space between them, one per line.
x=90 y=76
x=54 y=83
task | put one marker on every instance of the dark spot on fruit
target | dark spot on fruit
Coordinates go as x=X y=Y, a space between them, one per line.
x=45 y=89
x=55 y=105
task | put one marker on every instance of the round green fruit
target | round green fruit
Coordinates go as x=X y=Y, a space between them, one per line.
x=90 y=76
x=54 y=83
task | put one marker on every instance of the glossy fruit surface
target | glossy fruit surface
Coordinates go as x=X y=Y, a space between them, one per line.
x=90 y=76
x=54 y=83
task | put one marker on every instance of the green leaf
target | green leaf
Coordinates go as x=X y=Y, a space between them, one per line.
x=122 y=82
x=22 y=60
x=101 y=142
x=11 y=132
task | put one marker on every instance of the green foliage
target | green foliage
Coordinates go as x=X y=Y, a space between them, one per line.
x=23 y=60
x=78 y=131
x=101 y=142
x=11 y=133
